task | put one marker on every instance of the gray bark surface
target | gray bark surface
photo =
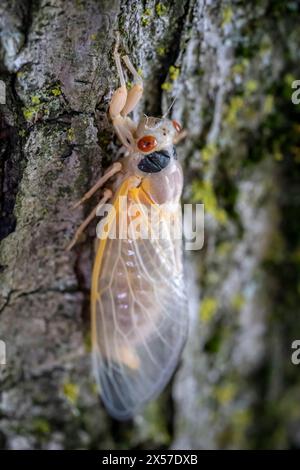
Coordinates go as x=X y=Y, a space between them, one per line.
x=231 y=65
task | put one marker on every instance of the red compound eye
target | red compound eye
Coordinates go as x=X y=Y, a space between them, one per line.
x=147 y=143
x=177 y=126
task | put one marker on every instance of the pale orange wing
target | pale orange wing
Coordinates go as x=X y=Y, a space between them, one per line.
x=139 y=316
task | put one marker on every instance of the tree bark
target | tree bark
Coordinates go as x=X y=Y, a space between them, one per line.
x=230 y=64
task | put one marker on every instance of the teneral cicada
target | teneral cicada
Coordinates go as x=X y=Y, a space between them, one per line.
x=138 y=302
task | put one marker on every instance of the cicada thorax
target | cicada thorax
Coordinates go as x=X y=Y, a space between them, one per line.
x=156 y=161
x=164 y=186
x=160 y=176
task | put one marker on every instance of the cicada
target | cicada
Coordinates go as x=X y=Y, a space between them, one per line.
x=138 y=301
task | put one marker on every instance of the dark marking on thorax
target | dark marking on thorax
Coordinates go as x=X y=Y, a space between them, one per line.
x=157 y=161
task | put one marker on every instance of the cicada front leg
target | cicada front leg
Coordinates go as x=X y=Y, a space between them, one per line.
x=124 y=101
x=136 y=92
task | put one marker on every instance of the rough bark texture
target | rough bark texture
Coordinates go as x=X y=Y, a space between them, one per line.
x=231 y=65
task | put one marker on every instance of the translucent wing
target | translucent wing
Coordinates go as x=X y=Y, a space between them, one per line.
x=139 y=314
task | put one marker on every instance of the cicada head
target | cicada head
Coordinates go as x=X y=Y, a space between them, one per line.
x=154 y=134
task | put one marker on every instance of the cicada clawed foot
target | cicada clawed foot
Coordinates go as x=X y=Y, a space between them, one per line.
x=107 y=194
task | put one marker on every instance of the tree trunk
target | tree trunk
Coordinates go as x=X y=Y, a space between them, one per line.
x=230 y=64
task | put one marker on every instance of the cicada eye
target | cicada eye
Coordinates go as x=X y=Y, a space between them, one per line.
x=177 y=126
x=147 y=143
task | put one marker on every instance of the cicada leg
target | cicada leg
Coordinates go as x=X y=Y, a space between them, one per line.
x=106 y=196
x=119 y=97
x=136 y=92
